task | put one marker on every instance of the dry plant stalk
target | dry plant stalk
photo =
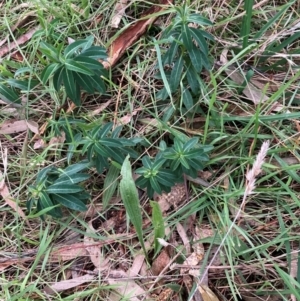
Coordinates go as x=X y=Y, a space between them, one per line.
x=250 y=186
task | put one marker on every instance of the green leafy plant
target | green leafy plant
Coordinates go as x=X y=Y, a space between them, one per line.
x=187 y=54
x=101 y=145
x=171 y=164
x=11 y=87
x=76 y=67
x=59 y=187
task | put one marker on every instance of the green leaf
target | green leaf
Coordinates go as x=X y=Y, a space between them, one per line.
x=195 y=56
x=75 y=168
x=169 y=56
x=176 y=74
x=72 y=65
x=98 y=83
x=190 y=144
x=51 y=52
x=196 y=18
x=158 y=225
x=187 y=99
x=22 y=84
x=94 y=52
x=131 y=201
x=58 y=77
x=84 y=81
x=73 y=179
x=48 y=72
x=70 y=86
x=9 y=95
x=45 y=203
x=70 y=202
x=162 y=71
x=110 y=184
x=192 y=78
x=186 y=37
x=63 y=188
x=196 y=34
x=75 y=46
x=89 y=63
x=207 y=35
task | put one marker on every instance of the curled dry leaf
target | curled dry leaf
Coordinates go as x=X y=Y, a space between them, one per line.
x=160 y=262
x=132 y=33
x=119 y=11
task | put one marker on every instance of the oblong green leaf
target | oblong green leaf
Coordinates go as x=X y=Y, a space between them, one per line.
x=70 y=202
x=84 y=81
x=73 y=47
x=110 y=184
x=94 y=52
x=70 y=86
x=195 y=56
x=45 y=203
x=51 y=52
x=186 y=36
x=196 y=34
x=48 y=72
x=158 y=225
x=22 y=84
x=75 y=168
x=9 y=95
x=63 y=188
x=176 y=74
x=196 y=18
x=58 y=77
x=73 y=179
x=187 y=99
x=72 y=65
x=89 y=63
x=131 y=202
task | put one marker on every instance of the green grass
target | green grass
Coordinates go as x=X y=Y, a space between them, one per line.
x=259 y=257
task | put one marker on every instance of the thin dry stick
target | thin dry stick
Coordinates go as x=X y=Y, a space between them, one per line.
x=250 y=186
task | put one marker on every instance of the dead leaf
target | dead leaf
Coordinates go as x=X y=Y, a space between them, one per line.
x=101 y=108
x=174 y=198
x=118 y=13
x=127 y=118
x=136 y=265
x=94 y=250
x=58 y=139
x=207 y=294
x=67 y=284
x=21 y=40
x=7 y=262
x=130 y=35
x=33 y=126
x=160 y=262
x=39 y=144
x=68 y=252
x=126 y=287
x=4 y=192
x=16 y=126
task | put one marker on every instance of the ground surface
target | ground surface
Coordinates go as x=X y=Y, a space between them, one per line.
x=96 y=255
